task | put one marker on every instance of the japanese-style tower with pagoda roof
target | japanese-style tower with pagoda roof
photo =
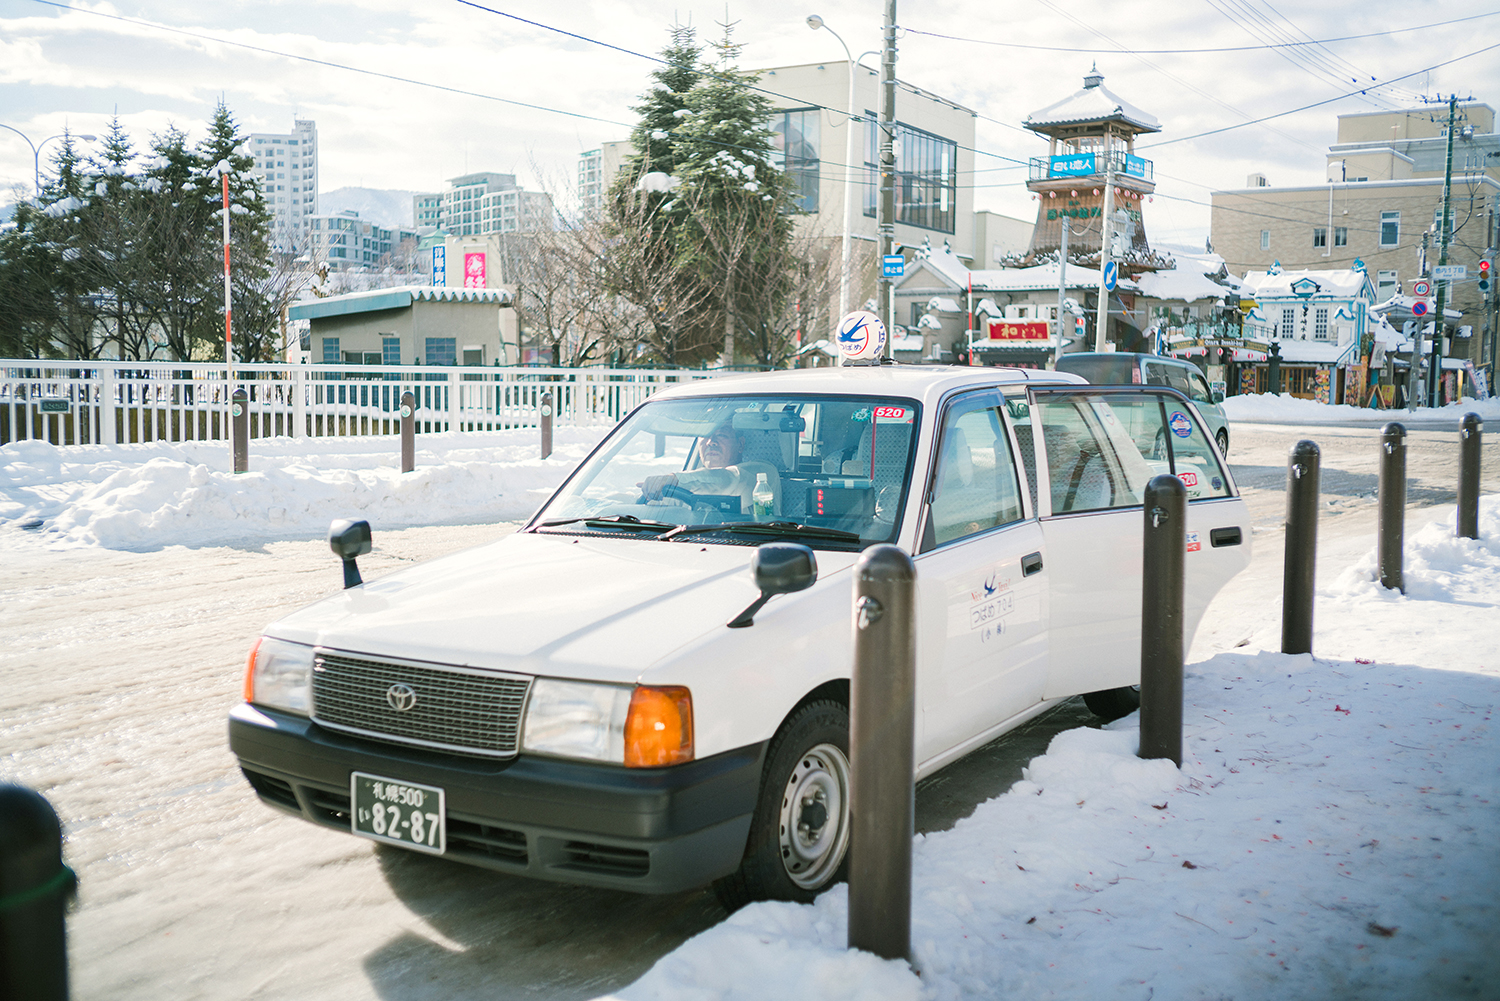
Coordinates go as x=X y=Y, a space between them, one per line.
x=1092 y=132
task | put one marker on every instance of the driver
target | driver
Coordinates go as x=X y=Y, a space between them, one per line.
x=721 y=471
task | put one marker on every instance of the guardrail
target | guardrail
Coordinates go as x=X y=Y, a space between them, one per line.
x=109 y=402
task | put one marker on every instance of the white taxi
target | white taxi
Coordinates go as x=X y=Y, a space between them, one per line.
x=607 y=697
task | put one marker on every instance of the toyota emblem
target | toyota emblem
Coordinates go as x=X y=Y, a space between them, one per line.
x=401 y=697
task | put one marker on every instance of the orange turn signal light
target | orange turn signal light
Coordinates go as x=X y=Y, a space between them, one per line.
x=659 y=727
x=249 y=692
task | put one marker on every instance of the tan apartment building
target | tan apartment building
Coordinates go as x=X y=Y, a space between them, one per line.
x=1382 y=205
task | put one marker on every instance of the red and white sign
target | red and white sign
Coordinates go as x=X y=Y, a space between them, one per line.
x=1024 y=330
x=894 y=415
x=1420 y=288
x=474 y=273
x=1188 y=478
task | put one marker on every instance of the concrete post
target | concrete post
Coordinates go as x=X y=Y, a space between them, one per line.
x=1303 y=467
x=1162 y=590
x=408 y=431
x=1391 y=519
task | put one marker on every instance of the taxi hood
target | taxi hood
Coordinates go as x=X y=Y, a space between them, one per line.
x=589 y=607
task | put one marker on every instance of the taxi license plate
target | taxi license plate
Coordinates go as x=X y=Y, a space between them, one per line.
x=399 y=813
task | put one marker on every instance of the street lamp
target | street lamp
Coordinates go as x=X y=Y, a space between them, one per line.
x=36 y=152
x=815 y=22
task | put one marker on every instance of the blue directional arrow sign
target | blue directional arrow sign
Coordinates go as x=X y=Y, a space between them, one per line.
x=1111 y=275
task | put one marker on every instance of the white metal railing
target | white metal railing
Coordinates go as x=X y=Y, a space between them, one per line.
x=111 y=402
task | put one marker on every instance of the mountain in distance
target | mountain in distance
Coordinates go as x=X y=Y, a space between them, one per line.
x=382 y=206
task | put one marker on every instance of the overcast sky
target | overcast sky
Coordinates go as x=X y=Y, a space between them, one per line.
x=73 y=68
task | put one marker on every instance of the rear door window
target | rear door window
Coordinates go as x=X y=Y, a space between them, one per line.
x=1101 y=449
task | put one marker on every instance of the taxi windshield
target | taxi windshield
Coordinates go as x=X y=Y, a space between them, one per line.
x=829 y=471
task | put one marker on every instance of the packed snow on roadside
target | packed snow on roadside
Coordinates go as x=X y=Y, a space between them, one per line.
x=144 y=497
x=1329 y=835
x=1286 y=408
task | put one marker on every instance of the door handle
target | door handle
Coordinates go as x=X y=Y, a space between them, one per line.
x=1224 y=537
x=1031 y=564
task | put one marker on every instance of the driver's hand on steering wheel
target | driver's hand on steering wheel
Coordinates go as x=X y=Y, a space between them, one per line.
x=652 y=486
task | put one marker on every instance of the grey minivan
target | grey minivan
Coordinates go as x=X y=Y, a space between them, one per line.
x=1130 y=368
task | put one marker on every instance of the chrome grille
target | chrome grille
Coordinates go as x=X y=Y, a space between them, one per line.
x=456 y=709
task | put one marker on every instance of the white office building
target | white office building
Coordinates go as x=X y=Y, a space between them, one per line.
x=287 y=166
x=480 y=204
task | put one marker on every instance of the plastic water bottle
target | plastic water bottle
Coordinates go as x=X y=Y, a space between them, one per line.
x=763 y=497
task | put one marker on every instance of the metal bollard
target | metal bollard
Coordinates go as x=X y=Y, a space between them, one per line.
x=239 y=413
x=882 y=734
x=1470 y=437
x=546 y=424
x=408 y=431
x=1391 y=521
x=1162 y=590
x=34 y=891
x=1303 y=466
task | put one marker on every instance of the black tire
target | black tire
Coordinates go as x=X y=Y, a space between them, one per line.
x=1113 y=703
x=1223 y=439
x=799 y=836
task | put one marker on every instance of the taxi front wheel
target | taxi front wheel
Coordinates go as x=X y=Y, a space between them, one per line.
x=799 y=837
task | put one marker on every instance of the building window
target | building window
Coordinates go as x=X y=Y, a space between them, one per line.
x=1320 y=324
x=1386 y=283
x=1320 y=237
x=1265 y=239
x=926 y=177
x=442 y=350
x=1341 y=236
x=798 y=144
x=1288 y=323
x=1390 y=229
x=331 y=355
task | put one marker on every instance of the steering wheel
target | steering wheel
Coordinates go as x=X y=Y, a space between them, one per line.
x=673 y=491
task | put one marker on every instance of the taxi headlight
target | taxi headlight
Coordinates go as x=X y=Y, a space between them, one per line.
x=575 y=719
x=279 y=675
x=637 y=726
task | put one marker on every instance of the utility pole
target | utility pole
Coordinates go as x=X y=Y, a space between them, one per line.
x=1062 y=291
x=1101 y=329
x=1435 y=375
x=886 y=217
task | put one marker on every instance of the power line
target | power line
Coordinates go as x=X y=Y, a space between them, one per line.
x=1319 y=104
x=1184 y=52
x=330 y=64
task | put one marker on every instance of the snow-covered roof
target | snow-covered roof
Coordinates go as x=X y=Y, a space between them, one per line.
x=1094 y=103
x=1186 y=284
x=394 y=298
x=947 y=265
x=1316 y=352
x=1400 y=306
x=1336 y=283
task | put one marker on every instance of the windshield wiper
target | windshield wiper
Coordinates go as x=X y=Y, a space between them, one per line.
x=627 y=521
x=767 y=528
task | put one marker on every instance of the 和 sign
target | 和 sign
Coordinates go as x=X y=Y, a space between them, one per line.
x=1024 y=330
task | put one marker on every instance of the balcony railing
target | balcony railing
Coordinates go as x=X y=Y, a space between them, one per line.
x=1045 y=168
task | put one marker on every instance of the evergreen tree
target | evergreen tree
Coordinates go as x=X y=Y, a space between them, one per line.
x=182 y=246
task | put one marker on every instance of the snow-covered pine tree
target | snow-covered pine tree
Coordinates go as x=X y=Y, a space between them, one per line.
x=733 y=197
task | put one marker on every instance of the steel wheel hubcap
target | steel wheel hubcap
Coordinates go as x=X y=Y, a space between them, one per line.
x=814 y=824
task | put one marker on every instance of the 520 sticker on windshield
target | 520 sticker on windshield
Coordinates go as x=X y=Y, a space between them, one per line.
x=894 y=415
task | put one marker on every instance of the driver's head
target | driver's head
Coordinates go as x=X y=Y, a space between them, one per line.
x=722 y=447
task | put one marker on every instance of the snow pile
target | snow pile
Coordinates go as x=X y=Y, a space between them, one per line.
x=143 y=497
x=1286 y=408
x=1329 y=834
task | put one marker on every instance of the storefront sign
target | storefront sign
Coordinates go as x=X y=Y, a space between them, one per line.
x=1025 y=330
x=439 y=266
x=1135 y=165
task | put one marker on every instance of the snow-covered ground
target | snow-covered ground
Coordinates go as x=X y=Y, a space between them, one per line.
x=144 y=497
x=1330 y=834
x=1288 y=409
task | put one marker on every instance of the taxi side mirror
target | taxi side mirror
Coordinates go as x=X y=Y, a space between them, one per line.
x=349 y=539
x=778 y=568
x=1216 y=396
